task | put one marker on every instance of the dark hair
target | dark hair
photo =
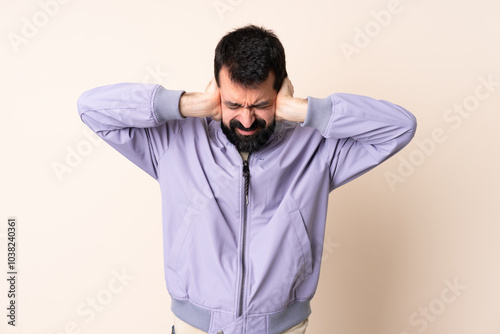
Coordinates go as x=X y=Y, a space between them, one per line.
x=250 y=53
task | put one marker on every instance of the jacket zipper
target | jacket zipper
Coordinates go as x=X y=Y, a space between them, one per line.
x=246 y=175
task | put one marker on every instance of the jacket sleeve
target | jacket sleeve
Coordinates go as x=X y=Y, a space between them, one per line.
x=360 y=132
x=138 y=120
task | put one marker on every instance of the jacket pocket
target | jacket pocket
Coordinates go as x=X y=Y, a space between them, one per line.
x=305 y=257
x=202 y=261
x=280 y=259
x=181 y=236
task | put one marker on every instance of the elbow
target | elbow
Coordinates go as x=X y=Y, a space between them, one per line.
x=409 y=130
x=412 y=125
x=408 y=127
x=81 y=104
x=85 y=103
x=401 y=140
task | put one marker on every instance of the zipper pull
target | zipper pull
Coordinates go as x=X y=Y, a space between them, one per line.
x=246 y=175
x=246 y=170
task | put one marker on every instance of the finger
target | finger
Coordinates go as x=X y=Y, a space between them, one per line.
x=289 y=86
x=210 y=84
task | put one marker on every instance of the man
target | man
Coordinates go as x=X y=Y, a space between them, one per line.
x=245 y=170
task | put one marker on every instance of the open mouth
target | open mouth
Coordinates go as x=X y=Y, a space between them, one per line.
x=247 y=133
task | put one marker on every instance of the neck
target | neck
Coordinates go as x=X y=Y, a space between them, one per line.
x=244 y=155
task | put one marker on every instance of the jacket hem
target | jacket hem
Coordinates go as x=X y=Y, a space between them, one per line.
x=192 y=314
x=293 y=315
x=201 y=318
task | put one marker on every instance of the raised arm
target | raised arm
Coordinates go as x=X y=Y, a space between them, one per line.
x=360 y=132
x=141 y=120
x=132 y=118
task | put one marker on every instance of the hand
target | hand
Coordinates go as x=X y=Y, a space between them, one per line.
x=212 y=91
x=205 y=104
x=289 y=108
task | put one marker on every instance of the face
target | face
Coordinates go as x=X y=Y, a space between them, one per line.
x=247 y=114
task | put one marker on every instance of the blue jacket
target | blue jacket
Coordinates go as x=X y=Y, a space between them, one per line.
x=236 y=262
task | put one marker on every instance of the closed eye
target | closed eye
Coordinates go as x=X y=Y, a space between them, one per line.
x=232 y=105
x=260 y=106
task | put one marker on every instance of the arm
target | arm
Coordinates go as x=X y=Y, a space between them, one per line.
x=360 y=132
x=141 y=120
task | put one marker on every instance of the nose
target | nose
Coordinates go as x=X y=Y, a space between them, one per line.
x=247 y=117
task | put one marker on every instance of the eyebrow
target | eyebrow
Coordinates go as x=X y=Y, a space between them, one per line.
x=257 y=105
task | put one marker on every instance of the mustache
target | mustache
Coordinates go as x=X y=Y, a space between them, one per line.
x=258 y=123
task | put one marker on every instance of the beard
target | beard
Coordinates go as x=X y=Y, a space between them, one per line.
x=248 y=143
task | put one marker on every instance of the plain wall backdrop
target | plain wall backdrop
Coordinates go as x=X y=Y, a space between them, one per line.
x=411 y=247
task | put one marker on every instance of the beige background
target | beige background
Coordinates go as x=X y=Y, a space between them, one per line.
x=392 y=247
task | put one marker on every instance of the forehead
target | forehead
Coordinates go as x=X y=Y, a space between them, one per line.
x=234 y=92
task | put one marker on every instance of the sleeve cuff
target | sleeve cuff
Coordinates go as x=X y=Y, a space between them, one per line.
x=319 y=112
x=166 y=104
